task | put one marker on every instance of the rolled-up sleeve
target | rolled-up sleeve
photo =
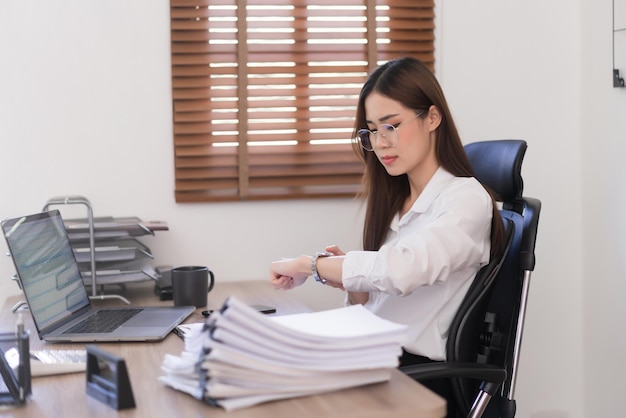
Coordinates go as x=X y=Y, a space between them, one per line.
x=447 y=230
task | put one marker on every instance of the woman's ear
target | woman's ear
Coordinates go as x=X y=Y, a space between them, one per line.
x=433 y=118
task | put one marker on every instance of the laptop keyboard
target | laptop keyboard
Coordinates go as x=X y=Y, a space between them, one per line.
x=103 y=321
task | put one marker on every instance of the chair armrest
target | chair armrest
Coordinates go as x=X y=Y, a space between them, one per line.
x=484 y=372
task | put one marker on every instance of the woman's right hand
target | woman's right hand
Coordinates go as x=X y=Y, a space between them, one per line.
x=335 y=250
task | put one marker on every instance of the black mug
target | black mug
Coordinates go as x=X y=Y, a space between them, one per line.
x=190 y=285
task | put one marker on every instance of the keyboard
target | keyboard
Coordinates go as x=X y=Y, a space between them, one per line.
x=51 y=362
x=103 y=321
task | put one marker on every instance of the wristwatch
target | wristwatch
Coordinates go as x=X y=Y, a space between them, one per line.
x=314 y=272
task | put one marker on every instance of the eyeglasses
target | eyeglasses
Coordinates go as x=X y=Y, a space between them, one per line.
x=368 y=139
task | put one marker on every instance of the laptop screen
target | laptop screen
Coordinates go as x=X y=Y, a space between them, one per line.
x=46 y=266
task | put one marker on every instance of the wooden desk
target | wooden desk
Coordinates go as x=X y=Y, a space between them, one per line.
x=64 y=395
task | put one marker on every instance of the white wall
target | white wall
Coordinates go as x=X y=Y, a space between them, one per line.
x=85 y=108
x=604 y=174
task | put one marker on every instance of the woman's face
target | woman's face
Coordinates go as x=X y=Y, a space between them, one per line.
x=403 y=141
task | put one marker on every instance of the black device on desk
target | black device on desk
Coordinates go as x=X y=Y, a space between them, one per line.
x=107 y=379
x=163 y=287
x=164 y=293
x=261 y=308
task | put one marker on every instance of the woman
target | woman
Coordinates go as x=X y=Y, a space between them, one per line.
x=429 y=224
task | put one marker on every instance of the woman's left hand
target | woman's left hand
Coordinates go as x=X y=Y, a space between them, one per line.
x=290 y=272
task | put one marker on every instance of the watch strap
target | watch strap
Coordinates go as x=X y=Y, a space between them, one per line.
x=314 y=272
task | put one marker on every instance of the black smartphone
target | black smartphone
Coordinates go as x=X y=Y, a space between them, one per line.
x=261 y=308
x=264 y=309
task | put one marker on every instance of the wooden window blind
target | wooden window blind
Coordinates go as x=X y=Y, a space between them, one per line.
x=265 y=91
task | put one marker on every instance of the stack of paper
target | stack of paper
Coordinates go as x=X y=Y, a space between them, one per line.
x=240 y=357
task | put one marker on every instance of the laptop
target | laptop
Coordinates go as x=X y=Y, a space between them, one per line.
x=56 y=294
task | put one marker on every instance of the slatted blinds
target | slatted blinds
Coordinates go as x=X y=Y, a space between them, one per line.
x=265 y=91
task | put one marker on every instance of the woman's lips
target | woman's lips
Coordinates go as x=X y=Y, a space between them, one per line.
x=388 y=159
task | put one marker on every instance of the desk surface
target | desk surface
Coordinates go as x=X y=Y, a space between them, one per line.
x=64 y=395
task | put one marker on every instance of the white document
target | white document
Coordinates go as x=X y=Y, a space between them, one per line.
x=240 y=357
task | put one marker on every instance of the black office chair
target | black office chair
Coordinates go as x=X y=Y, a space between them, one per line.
x=485 y=336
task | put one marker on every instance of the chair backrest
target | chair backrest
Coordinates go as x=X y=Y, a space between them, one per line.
x=487 y=327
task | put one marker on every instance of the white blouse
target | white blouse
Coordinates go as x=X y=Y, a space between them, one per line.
x=430 y=256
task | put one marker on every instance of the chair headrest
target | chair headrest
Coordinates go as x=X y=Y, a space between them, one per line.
x=498 y=165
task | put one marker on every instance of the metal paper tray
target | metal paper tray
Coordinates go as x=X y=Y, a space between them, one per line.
x=112 y=251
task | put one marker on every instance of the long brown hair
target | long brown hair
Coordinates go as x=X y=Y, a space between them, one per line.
x=409 y=82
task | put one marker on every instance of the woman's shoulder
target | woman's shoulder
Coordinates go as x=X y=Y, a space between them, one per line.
x=465 y=188
x=448 y=192
x=467 y=182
